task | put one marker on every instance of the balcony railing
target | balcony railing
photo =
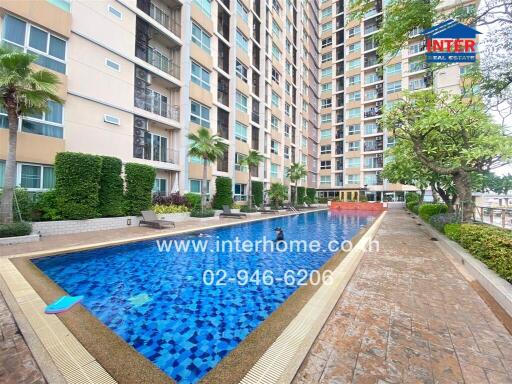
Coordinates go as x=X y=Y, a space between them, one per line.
x=169 y=22
x=373 y=146
x=416 y=66
x=163 y=63
x=167 y=155
x=372 y=112
x=160 y=108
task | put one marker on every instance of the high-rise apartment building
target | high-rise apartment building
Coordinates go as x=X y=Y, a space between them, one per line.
x=289 y=78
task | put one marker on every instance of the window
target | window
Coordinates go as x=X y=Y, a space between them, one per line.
x=241 y=102
x=326 y=103
x=394 y=87
x=326 y=72
x=355 y=47
x=276 y=52
x=276 y=100
x=416 y=47
x=325 y=164
x=372 y=78
x=200 y=37
x=325 y=149
x=274 y=147
x=242 y=42
x=391 y=141
x=200 y=76
x=112 y=64
x=304 y=141
x=49 y=49
x=370 y=128
x=327 y=26
x=48 y=123
x=326 y=12
x=326 y=57
x=238 y=162
x=326 y=118
x=35 y=177
x=195 y=186
x=199 y=114
x=276 y=29
x=354 y=113
x=353 y=80
x=115 y=12
x=241 y=71
x=241 y=132
x=353 y=64
x=240 y=192
x=286 y=151
x=274 y=123
x=353 y=146
x=325 y=134
x=326 y=87
x=415 y=84
x=286 y=130
x=276 y=76
x=354 y=129
x=326 y=42
x=354 y=31
x=325 y=179
x=274 y=170
x=111 y=119
x=205 y=6
x=352 y=179
x=354 y=162
x=354 y=96
x=242 y=11
x=395 y=68
x=160 y=186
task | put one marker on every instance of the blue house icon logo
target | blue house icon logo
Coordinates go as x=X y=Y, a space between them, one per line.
x=451 y=42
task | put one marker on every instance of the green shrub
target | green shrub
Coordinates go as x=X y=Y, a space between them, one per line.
x=77 y=184
x=193 y=200
x=245 y=209
x=223 y=192
x=257 y=193
x=163 y=209
x=301 y=195
x=139 y=185
x=452 y=231
x=441 y=219
x=428 y=210
x=46 y=206
x=310 y=195
x=22 y=205
x=491 y=245
x=205 y=213
x=15 y=229
x=111 y=202
x=413 y=206
x=412 y=196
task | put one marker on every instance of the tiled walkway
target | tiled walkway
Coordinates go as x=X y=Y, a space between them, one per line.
x=17 y=366
x=408 y=316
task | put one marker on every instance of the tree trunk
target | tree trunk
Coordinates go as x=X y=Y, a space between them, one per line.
x=422 y=195
x=249 y=190
x=295 y=196
x=462 y=182
x=449 y=201
x=204 y=184
x=10 y=169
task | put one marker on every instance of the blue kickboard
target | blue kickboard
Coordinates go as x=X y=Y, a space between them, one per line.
x=63 y=304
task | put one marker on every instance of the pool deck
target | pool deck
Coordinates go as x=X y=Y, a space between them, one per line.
x=409 y=315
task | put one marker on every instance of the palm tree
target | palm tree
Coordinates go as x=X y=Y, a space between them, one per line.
x=253 y=159
x=209 y=148
x=296 y=172
x=22 y=91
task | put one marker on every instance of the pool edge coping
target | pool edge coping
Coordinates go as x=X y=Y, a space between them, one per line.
x=31 y=303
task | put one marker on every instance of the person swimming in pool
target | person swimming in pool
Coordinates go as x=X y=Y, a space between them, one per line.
x=279 y=234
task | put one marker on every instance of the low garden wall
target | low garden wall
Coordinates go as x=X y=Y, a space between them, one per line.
x=358 y=206
x=63 y=227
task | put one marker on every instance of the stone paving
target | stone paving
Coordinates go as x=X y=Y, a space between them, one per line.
x=17 y=365
x=409 y=316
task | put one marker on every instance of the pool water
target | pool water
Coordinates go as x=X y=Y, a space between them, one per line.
x=158 y=302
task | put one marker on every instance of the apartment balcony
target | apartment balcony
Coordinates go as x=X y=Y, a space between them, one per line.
x=417 y=66
x=339 y=7
x=372 y=78
x=167 y=15
x=339 y=133
x=370 y=61
x=339 y=118
x=223 y=57
x=375 y=144
x=153 y=102
x=372 y=112
x=223 y=23
x=374 y=161
x=370 y=44
x=372 y=28
x=256 y=7
x=340 y=22
x=339 y=164
x=339 y=148
x=255 y=83
x=151 y=147
x=340 y=69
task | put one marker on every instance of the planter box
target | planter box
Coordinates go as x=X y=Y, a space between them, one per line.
x=174 y=216
x=235 y=210
x=63 y=227
x=19 y=239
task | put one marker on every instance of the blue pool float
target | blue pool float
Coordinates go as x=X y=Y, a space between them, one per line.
x=63 y=304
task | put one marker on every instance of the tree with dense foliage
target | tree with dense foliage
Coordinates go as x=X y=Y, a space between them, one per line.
x=402 y=166
x=23 y=90
x=449 y=137
x=140 y=179
x=296 y=172
x=111 y=199
x=277 y=194
x=252 y=160
x=223 y=192
x=209 y=148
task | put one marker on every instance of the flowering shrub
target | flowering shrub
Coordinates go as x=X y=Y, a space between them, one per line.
x=172 y=199
x=163 y=209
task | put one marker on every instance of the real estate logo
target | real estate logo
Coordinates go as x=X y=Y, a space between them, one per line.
x=451 y=42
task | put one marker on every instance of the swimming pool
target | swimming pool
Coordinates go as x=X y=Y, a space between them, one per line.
x=160 y=303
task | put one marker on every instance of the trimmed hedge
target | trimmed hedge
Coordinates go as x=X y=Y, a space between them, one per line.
x=205 y=213
x=440 y=220
x=257 y=193
x=427 y=210
x=452 y=231
x=15 y=229
x=301 y=195
x=139 y=185
x=310 y=195
x=111 y=203
x=46 y=206
x=490 y=245
x=77 y=184
x=193 y=200
x=223 y=192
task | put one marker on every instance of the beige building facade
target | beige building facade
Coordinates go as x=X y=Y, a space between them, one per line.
x=289 y=78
